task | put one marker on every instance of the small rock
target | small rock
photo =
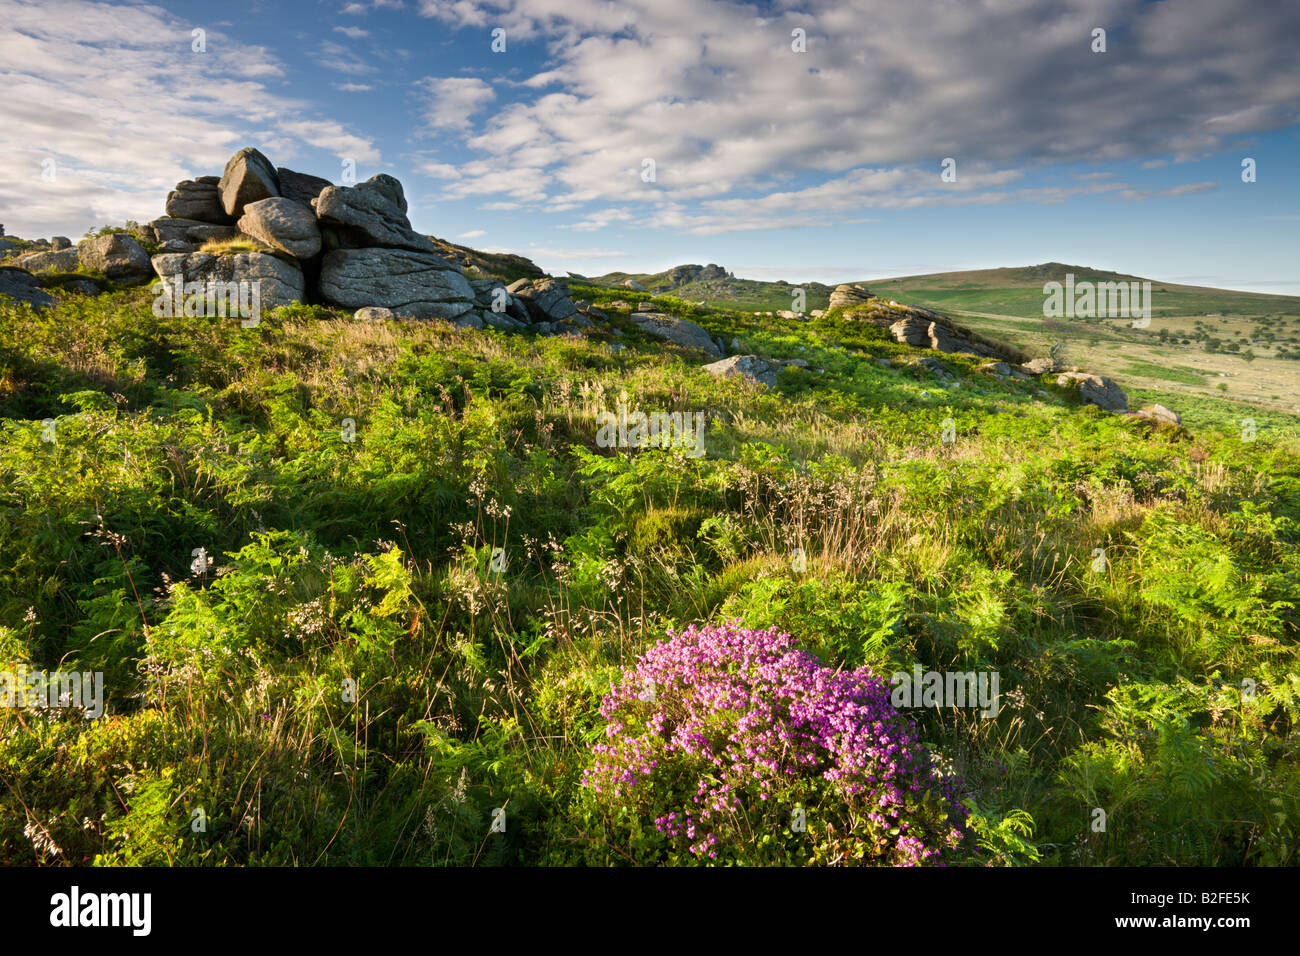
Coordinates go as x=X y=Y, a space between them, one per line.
x=118 y=256
x=373 y=313
x=673 y=329
x=1161 y=414
x=749 y=367
x=1095 y=390
x=21 y=285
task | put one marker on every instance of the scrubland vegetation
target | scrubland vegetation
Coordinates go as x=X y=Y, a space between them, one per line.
x=1133 y=586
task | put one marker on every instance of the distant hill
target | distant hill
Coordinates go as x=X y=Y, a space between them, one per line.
x=1013 y=291
x=1018 y=291
x=718 y=286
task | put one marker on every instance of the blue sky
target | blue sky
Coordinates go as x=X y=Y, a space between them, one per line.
x=819 y=165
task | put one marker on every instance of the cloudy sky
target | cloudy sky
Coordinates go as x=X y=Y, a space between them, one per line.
x=822 y=164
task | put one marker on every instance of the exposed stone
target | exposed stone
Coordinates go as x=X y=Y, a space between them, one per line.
x=470 y=320
x=849 y=295
x=189 y=230
x=373 y=313
x=248 y=177
x=673 y=329
x=1159 y=413
x=63 y=260
x=1096 y=390
x=749 y=367
x=934 y=366
x=60 y=242
x=280 y=281
x=1000 y=369
x=21 y=285
x=366 y=216
x=547 y=300
x=1041 y=366
x=199 y=200
x=118 y=256
x=633 y=285
x=283 y=224
x=911 y=332
x=300 y=187
x=421 y=285
x=81 y=287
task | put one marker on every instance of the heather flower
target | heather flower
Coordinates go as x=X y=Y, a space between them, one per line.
x=743 y=726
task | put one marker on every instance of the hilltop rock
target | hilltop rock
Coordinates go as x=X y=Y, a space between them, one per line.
x=300 y=187
x=547 y=300
x=417 y=284
x=749 y=367
x=198 y=199
x=1096 y=390
x=62 y=260
x=60 y=242
x=248 y=177
x=928 y=333
x=118 y=256
x=679 y=331
x=21 y=285
x=633 y=285
x=367 y=215
x=849 y=295
x=283 y=224
x=281 y=281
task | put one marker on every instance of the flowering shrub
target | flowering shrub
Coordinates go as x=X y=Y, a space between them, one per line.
x=742 y=748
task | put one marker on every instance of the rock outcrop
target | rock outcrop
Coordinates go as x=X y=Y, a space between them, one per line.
x=21 y=285
x=420 y=285
x=679 y=331
x=280 y=282
x=283 y=224
x=198 y=199
x=248 y=177
x=849 y=295
x=118 y=256
x=61 y=260
x=1095 y=390
x=367 y=215
x=751 y=368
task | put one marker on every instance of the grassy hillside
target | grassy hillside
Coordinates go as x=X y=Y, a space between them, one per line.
x=1202 y=343
x=360 y=677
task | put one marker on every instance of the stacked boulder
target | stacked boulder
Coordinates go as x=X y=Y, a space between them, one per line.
x=351 y=247
x=849 y=295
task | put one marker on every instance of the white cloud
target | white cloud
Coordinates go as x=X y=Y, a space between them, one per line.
x=472 y=234
x=355 y=33
x=353 y=87
x=453 y=100
x=713 y=93
x=114 y=95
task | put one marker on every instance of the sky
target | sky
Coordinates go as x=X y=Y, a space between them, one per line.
x=804 y=141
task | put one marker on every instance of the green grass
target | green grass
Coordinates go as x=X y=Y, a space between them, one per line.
x=352 y=681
